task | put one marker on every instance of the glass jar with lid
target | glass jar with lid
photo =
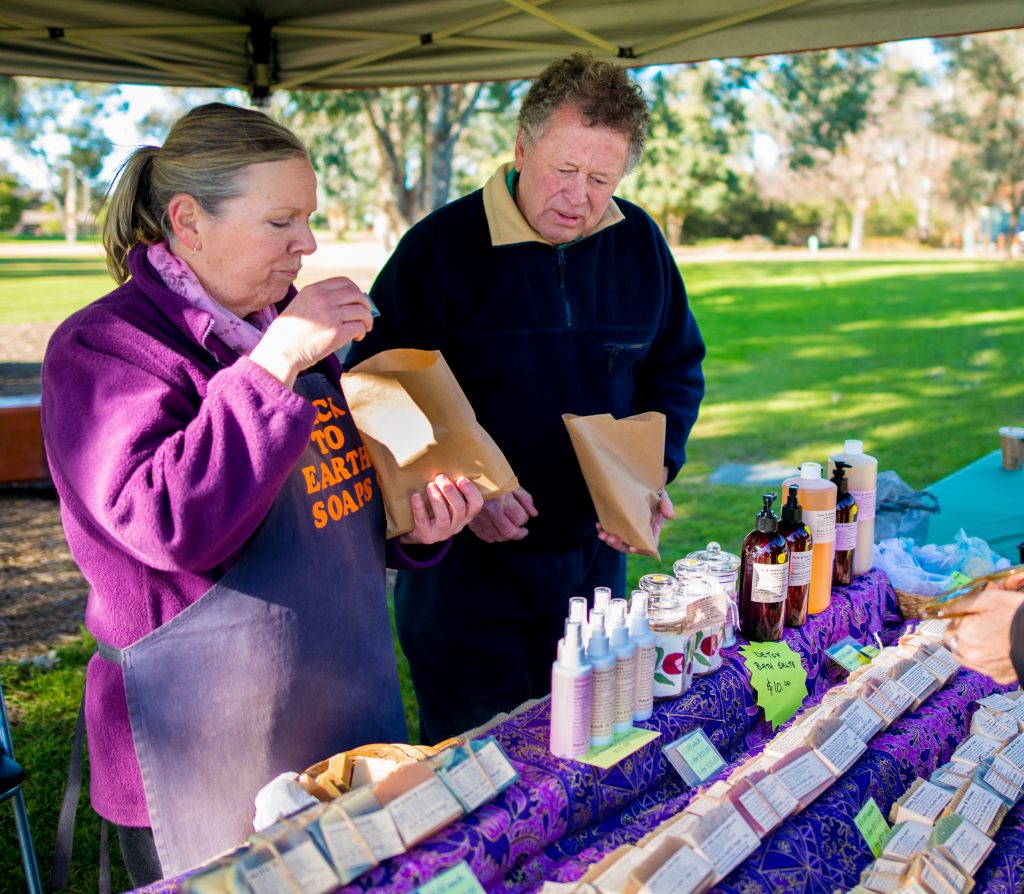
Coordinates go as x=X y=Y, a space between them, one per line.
x=673 y=639
x=706 y=611
x=723 y=567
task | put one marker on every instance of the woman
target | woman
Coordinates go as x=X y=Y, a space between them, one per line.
x=989 y=636
x=215 y=494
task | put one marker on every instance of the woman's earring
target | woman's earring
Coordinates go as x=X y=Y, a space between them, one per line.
x=195 y=249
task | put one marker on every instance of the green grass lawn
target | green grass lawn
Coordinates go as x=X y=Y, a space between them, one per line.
x=919 y=359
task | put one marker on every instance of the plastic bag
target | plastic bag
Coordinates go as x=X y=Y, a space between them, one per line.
x=932 y=569
x=902 y=511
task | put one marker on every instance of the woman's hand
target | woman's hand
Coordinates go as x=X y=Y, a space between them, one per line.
x=980 y=640
x=452 y=506
x=320 y=319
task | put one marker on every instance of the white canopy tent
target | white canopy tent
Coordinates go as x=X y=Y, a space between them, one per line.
x=264 y=45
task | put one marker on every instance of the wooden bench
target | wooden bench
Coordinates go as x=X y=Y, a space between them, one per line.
x=22 y=458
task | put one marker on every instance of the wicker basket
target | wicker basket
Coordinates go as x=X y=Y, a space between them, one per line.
x=910 y=604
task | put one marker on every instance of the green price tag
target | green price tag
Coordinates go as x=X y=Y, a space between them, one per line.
x=872 y=826
x=960 y=579
x=457 y=880
x=778 y=678
x=621 y=747
x=694 y=757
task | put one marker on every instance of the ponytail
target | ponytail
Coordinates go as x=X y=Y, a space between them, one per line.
x=129 y=219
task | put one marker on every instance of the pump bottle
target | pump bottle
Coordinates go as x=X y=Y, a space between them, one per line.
x=818 y=500
x=846 y=528
x=862 y=479
x=798 y=540
x=625 y=668
x=571 y=679
x=646 y=655
x=764 y=574
x=602 y=701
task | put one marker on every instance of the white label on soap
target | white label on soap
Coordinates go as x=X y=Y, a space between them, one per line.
x=899 y=695
x=940 y=874
x=616 y=877
x=974 y=750
x=1008 y=771
x=783 y=803
x=1017 y=711
x=997 y=702
x=760 y=809
x=804 y=775
x=918 y=680
x=906 y=840
x=496 y=765
x=349 y=854
x=380 y=833
x=841 y=750
x=942 y=662
x=846 y=536
x=865 y=503
x=933 y=627
x=968 y=846
x=729 y=844
x=999 y=783
x=822 y=523
x=927 y=802
x=422 y=809
x=304 y=862
x=880 y=882
x=1013 y=751
x=681 y=873
x=979 y=806
x=800 y=568
x=471 y=784
x=862 y=719
x=770 y=582
x=994 y=726
x=883 y=705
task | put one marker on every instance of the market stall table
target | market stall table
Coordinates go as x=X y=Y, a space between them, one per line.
x=562 y=816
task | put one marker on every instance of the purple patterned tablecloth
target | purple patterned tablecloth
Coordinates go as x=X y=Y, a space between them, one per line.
x=561 y=816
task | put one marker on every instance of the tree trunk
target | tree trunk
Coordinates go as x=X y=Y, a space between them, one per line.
x=71 y=206
x=860 y=215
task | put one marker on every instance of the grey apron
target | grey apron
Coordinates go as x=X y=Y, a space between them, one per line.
x=287 y=660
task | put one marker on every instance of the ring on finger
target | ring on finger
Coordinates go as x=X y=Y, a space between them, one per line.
x=954 y=642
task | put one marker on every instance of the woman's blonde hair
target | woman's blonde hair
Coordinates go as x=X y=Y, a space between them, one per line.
x=204 y=156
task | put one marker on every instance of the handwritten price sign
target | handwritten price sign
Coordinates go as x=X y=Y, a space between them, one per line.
x=778 y=678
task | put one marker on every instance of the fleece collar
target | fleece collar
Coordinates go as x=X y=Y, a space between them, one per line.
x=507 y=224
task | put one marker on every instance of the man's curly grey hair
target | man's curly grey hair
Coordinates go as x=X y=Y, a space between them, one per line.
x=603 y=93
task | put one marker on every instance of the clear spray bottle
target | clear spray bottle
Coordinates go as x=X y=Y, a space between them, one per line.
x=571 y=687
x=646 y=655
x=625 y=668
x=602 y=702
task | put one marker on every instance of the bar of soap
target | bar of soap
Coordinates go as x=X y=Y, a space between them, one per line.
x=962 y=842
x=923 y=802
x=804 y=775
x=418 y=801
x=673 y=868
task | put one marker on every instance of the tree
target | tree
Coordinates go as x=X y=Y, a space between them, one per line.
x=59 y=121
x=11 y=204
x=987 y=116
x=413 y=133
x=686 y=165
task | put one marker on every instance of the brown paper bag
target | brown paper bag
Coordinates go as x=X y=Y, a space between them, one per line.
x=623 y=463
x=416 y=423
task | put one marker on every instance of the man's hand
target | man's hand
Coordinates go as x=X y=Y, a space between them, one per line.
x=504 y=518
x=664 y=510
x=452 y=506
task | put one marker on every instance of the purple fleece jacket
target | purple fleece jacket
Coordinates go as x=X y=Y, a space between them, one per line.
x=167 y=451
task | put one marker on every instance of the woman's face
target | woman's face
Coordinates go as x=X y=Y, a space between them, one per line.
x=250 y=252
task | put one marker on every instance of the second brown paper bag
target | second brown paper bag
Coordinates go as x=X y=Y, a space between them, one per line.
x=416 y=422
x=623 y=464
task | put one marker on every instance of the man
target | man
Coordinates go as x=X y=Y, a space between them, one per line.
x=545 y=297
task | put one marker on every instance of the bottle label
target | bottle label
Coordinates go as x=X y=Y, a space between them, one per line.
x=800 y=568
x=770 y=582
x=602 y=703
x=865 y=503
x=822 y=523
x=846 y=536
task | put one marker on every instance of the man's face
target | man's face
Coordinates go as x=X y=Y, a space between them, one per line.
x=567 y=177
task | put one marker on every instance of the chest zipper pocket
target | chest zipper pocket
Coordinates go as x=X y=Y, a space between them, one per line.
x=625 y=351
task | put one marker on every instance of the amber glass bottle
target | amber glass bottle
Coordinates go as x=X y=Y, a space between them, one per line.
x=764 y=576
x=798 y=539
x=846 y=527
